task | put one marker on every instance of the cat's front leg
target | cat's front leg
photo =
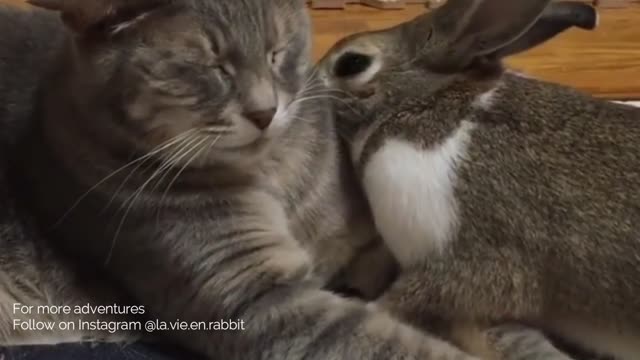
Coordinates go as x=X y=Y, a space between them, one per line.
x=243 y=265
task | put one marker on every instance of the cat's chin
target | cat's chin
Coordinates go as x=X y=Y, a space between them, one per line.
x=257 y=144
x=239 y=155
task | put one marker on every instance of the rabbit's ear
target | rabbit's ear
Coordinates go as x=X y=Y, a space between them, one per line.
x=557 y=17
x=463 y=30
x=86 y=15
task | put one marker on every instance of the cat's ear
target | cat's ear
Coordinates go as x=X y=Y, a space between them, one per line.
x=84 y=15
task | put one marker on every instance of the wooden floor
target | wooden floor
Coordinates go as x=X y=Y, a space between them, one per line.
x=605 y=62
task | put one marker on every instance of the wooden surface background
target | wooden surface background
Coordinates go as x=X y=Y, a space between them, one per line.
x=605 y=62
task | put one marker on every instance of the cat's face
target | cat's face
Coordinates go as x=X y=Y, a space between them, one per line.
x=223 y=75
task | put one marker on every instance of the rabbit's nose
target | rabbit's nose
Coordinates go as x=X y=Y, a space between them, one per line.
x=261 y=118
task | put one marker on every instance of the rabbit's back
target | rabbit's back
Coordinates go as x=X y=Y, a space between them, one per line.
x=521 y=168
x=557 y=174
x=543 y=168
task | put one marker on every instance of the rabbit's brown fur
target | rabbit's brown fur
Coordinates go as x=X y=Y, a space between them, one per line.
x=543 y=222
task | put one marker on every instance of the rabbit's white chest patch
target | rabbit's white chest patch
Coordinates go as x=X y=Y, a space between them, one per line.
x=411 y=191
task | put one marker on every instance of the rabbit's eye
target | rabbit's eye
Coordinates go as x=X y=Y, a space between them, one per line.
x=351 y=64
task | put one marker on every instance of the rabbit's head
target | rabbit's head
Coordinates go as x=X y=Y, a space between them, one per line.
x=463 y=41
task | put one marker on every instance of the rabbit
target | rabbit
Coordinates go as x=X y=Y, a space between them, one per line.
x=504 y=198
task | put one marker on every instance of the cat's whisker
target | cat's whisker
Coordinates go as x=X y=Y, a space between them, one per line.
x=163 y=165
x=331 y=96
x=141 y=160
x=133 y=198
x=177 y=148
x=213 y=142
x=312 y=76
x=322 y=87
x=314 y=89
x=338 y=129
x=314 y=85
x=169 y=164
x=164 y=195
x=308 y=98
x=323 y=92
x=220 y=129
x=293 y=117
x=335 y=98
x=179 y=141
x=184 y=167
x=317 y=96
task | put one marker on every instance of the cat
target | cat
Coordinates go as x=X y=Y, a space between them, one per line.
x=31 y=273
x=27 y=46
x=183 y=150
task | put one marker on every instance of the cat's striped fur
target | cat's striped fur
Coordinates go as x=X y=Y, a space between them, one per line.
x=224 y=221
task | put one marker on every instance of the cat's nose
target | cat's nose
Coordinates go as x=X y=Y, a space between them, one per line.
x=261 y=118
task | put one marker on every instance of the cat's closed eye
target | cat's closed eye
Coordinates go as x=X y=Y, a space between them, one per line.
x=203 y=76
